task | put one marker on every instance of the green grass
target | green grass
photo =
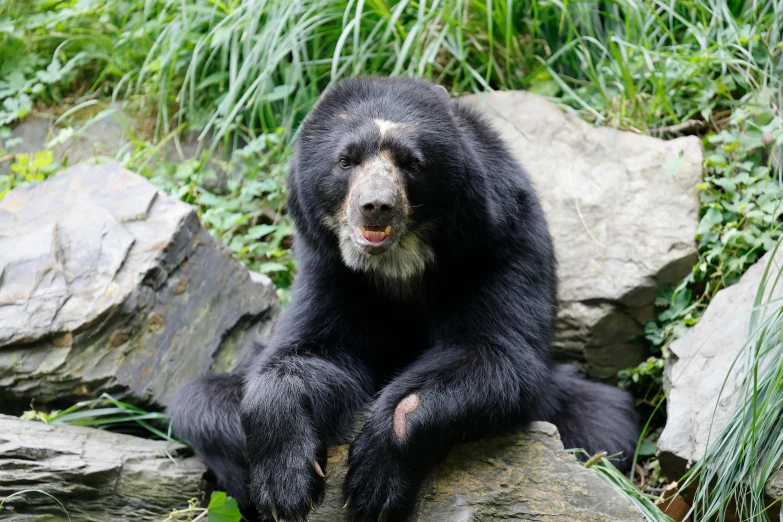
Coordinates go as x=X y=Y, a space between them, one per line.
x=643 y=502
x=246 y=73
x=108 y=413
x=742 y=456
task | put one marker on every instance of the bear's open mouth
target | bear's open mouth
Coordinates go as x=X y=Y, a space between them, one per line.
x=375 y=234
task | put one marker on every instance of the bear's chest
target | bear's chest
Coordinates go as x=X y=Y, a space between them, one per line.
x=404 y=337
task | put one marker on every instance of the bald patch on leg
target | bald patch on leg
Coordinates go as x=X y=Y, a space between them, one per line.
x=407 y=405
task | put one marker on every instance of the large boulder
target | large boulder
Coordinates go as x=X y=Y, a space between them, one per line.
x=103 y=476
x=107 y=134
x=623 y=212
x=702 y=382
x=104 y=135
x=98 y=476
x=520 y=476
x=108 y=285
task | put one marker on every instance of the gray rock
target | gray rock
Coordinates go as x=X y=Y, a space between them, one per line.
x=519 y=476
x=702 y=386
x=623 y=212
x=108 y=285
x=104 y=476
x=97 y=475
x=774 y=489
x=104 y=137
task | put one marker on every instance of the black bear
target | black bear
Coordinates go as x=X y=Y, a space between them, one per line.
x=425 y=289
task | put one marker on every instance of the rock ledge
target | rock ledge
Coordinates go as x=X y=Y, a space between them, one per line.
x=623 y=212
x=108 y=285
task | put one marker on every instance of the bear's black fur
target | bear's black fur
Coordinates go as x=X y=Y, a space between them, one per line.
x=454 y=310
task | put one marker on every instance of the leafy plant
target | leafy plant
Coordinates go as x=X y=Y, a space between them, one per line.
x=646 y=382
x=235 y=202
x=221 y=508
x=742 y=199
x=741 y=208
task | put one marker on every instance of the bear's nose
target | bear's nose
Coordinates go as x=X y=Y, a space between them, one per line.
x=377 y=204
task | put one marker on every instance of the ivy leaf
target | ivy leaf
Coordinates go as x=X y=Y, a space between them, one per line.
x=712 y=217
x=647 y=448
x=15 y=108
x=223 y=508
x=12 y=84
x=543 y=84
x=260 y=231
x=55 y=71
x=52 y=74
x=681 y=301
x=266 y=268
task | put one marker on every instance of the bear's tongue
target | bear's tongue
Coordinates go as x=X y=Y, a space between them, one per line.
x=375 y=234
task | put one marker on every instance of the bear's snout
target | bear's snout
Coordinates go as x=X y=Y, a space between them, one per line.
x=377 y=206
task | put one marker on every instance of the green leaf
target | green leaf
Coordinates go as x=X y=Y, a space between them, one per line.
x=280 y=93
x=673 y=164
x=15 y=108
x=12 y=84
x=712 y=217
x=260 y=231
x=52 y=74
x=544 y=84
x=266 y=268
x=223 y=508
x=647 y=448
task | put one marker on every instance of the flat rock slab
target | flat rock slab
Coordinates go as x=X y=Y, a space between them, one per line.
x=97 y=475
x=703 y=389
x=102 y=476
x=108 y=285
x=520 y=476
x=623 y=212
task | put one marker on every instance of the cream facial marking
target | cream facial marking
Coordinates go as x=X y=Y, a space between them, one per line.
x=384 y=126
x=380 y=168
x=384 y=246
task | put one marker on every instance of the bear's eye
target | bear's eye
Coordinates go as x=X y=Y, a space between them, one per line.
x=345 y=162
x=413 y=165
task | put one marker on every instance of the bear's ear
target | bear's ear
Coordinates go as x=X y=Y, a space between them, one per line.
x=442 y=92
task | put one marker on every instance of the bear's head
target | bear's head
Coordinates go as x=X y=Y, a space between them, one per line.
x=376 y=169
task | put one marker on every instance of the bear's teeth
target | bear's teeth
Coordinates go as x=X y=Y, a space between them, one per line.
x=375 y=236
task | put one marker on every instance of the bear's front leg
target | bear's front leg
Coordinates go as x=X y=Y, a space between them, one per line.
x=448 y=395
x=293 y=406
